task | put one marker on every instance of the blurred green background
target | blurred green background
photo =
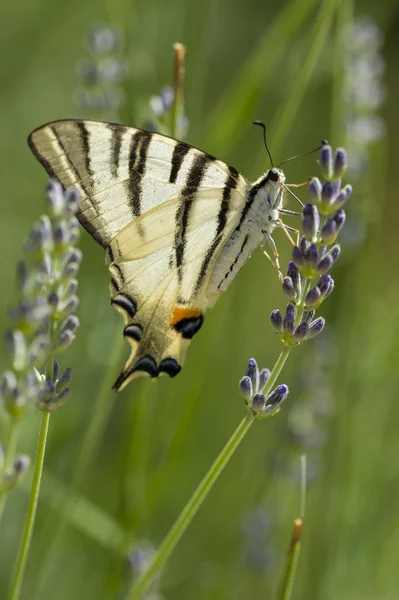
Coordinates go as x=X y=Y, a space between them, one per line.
x=133 y=460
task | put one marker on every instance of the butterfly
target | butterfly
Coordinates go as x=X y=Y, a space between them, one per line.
x=176 y=224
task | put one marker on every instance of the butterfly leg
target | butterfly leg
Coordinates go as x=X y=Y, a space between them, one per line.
x=287 y=229
x=275 y=262
x=297 y=185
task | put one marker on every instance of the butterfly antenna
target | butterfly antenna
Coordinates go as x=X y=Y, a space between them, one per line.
x=323 y=143
x=261 y=124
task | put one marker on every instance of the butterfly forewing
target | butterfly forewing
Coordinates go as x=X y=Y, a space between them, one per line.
x=163 y=210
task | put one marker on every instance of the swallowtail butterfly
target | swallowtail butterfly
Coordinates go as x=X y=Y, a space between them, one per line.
x=176 y=224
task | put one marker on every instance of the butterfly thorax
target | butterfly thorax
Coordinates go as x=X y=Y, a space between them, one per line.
x=259 y=217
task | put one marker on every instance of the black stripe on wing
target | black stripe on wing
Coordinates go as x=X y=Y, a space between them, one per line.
x=84 y=135
x=179 y=153
x=116 y=144
x=193 y=182
x=137 y=163
x=231 y=184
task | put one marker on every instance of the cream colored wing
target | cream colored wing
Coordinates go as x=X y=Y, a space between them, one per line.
x=163 y=210
x=162 y=299
x=122 y=172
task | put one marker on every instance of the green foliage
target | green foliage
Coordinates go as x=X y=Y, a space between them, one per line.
x=118 y=469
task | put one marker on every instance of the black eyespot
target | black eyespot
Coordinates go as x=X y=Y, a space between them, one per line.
x=273 y=175
x=170 y=367
x=188 y=327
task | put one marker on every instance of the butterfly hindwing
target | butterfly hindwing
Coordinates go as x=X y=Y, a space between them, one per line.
x=163 y=301
x=163 y=210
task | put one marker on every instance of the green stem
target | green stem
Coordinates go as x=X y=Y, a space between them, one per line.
x=9 y=458
x=32 y=507
x=189 y=511
x=284 y=590
x=102 y=407
x=278 y=367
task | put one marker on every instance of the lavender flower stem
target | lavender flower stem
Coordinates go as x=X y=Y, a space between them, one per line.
x=165 y=549
x=16 y=585
x=278 y=367
x=9 y=458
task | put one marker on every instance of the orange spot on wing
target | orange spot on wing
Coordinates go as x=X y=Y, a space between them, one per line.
x=181 y=312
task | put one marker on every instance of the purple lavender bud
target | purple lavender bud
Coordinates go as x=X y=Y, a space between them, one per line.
x=69 y=289
x=301 y=332
x=326 y=161
x=8 y=384
x=74 y=231
x=22 y=275
x=308 y=316
x=49 y=391
x=277 y=396
x=340 y=163
x=72 y=198
x=38 y=349
x=253 y=373
x=316 y=327
x=72 y=256
x=312 y=298
x=46 y=233
x=140 y=557
x=21 y=464
x=326 y=285
x=328 y=260
x=293 y=273
x=277 y=320
x=71 y=322
x=61 y=234
x=65 y=339
x=297 y=257
x=103 y=39
x=304 y=246
x=53 y=300
x=313 y=255
x=70 y=271
x=343 y=196
x=55 y=196
x=66 y=379
x=310 y=221
x=70 y=305
x=328 y=194
x=328 y=233
x=62 y=398
x=314 y=190
x=45 y=266
x=258 y=402
x=336 y=186
x=289 y=288
x=56 y=368
x=15 y=347
x=168 y=97
x=340 y=218
x=289 y=319
x=246 y=388
x=157 y=106
x=263 y=378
